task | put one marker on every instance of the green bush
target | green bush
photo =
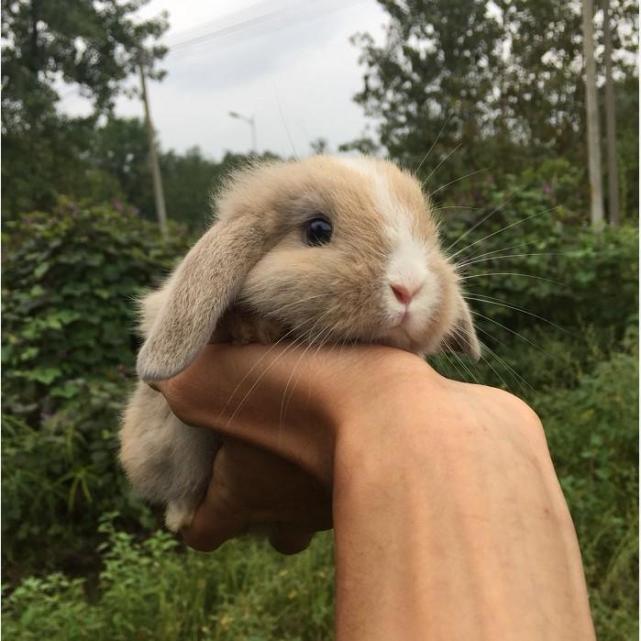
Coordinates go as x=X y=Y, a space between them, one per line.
x=59 y=477
x=531 y=263
x=593 y=438
x=550 y=298
x=70 y=278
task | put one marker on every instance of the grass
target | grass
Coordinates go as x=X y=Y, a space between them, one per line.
x=155 y=590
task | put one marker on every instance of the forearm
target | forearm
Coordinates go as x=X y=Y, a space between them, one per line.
x=449 y=531
x=449 y=520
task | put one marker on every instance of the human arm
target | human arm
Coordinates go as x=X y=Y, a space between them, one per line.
x=449 y=520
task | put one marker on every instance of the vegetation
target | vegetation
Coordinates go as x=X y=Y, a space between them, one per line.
x=556 y=305
x=68 y=348
x=61 y=479
x=442 y=76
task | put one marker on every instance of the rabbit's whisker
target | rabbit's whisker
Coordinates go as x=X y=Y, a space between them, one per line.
x=458 y=207
x=446 y=356
x=547 y=280
x=262 y=375
x=442 y=187
x=321 y=336
x=300 y=302
x=299 y=340
x=507 y=329
x=438 y=137
x=503 y=256
x=308 y=344
x=488 y=362
x=464 y=366
x=281 y=339
x=251 y=370
x=285 y=127
x=440 y=163
x=515 y=375
x=498 y=302
x=452 y=364
x=496 y=251
x=499 y=207
x=503 y=229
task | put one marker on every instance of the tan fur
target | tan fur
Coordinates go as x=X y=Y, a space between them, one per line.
x=252 y=278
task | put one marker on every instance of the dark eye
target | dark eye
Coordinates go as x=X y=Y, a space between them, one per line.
x=318 y=231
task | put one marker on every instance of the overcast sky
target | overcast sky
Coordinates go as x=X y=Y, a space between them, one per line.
x=287 y=62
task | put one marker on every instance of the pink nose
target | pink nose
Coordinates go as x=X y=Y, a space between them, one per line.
x=403 y=294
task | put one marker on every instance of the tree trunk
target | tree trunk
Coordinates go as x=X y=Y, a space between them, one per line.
x=610 y=123
x=592 y=113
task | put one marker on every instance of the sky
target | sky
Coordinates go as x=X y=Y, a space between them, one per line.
x=288 y=63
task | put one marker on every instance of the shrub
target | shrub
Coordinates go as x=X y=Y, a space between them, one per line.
x=69 y=284
x=593 y=437
x=530 y=267
x=70 y=278
x=59 y=477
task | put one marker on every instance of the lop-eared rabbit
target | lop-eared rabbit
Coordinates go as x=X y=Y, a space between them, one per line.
x=346 y=249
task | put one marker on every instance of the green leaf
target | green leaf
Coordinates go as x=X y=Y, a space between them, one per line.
x=45 y=375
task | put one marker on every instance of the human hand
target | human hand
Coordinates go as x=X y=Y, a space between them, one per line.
x=254 y=490
x=288 y=409
x=290 y=401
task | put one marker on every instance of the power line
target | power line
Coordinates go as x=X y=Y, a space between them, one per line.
x=222 y=31
x=253 y=21
x=257 y=20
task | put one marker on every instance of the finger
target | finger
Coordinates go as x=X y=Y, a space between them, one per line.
x=214 y=523
x=290 y=540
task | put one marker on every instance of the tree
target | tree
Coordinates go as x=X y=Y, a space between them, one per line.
x=189 y=181
x=592 y=110
x=610 y=121
x=192 y=179
x=432 y=83
x=47 y=43
x=487 y=84
x=319 y=146
x=120 y=148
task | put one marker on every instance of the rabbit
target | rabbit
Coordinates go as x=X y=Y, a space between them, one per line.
x=346 y=246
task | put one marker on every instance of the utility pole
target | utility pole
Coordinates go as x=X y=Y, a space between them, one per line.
x=592 y=117
x=159 y=195
x=610 y=123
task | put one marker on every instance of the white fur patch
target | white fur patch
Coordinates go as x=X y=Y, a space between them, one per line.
x=408 y=263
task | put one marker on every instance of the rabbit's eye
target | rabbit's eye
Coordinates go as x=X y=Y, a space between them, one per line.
x=318 y=231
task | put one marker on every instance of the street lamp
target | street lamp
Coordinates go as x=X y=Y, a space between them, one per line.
x=250 y=121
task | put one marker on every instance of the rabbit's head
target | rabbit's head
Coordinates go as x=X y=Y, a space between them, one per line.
x=335 y=249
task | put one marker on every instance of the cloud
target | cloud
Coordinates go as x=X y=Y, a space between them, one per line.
x=295 y=71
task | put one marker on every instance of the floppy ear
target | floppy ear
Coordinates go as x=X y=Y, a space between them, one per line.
x=462 y=337
x=204 y=284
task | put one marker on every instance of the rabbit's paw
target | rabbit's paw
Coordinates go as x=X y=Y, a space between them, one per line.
x=179 y=515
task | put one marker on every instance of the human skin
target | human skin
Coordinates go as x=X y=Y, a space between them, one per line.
x=448 y=518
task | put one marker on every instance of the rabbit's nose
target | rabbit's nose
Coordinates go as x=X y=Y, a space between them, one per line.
x=403 y=293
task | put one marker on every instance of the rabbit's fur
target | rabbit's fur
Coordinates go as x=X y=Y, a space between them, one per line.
x=252 y=277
